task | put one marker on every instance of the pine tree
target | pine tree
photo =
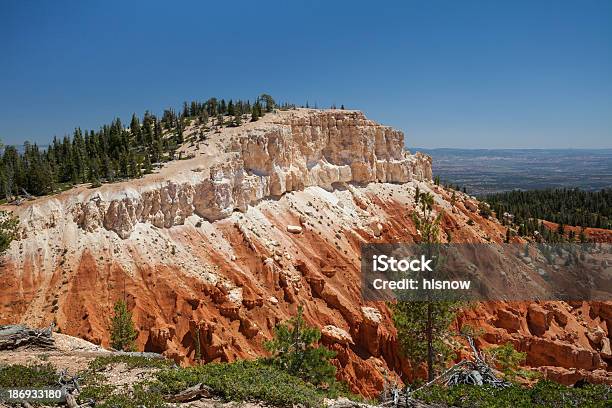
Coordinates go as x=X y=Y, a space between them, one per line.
x=295 y=349
x=179 y=132
x=113 y=151
x=148 y=168
x=168 y=119
x=8 y=230
x=134 y=166
x=561 y=206
x=195 y=109
x=94 y=173
x=147 y=129
x=211 y=107
x=269 y=102
x=123 y=333
x=124 y=165
x=135 y=129
x=423 y=326
x=203 y=118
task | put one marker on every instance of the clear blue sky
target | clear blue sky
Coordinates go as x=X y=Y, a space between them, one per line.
x=448 y=73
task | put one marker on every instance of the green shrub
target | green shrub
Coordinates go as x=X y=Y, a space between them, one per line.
x=106 y=395
x=506 y=358
x=94 y=387
x=295 y=349
x=244 y=381
x=528 y=374
x=141 y=396
x=543 y=394
x=257 y=380
x=130 y=361
x=17 y=375
x=484 y=210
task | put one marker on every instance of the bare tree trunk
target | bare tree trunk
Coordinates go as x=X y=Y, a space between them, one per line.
x=430 y=350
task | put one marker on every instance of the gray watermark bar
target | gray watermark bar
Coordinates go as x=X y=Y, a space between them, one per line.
x=486 y=272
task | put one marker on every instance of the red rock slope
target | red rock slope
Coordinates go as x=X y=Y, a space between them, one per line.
x=204 y=256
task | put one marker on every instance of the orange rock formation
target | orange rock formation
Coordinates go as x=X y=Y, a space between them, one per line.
x=204 y=258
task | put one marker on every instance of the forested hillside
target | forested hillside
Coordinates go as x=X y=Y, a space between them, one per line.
x=116 y=151
x=561 y=206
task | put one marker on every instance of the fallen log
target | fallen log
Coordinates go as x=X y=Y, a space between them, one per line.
x=16 y=336
x=197 y=391
x=145 y=354
x=474 y=372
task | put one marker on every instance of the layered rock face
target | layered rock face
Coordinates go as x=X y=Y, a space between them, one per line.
x=566 y=342
x=287 y=153
x=212 y=252
x=202 y=249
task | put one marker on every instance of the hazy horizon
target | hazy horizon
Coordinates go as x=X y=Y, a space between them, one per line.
x=492 y=149
x=485 y=171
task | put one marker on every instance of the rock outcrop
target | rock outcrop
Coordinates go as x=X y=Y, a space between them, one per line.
x=289 y=152
x=212 y=252
x=566 y=342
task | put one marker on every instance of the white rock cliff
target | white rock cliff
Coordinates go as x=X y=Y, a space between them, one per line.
x=294 y=150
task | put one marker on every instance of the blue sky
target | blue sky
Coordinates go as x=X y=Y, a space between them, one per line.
x=448 y=73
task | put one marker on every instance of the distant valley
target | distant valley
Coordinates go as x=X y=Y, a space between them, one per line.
x=484 y=171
